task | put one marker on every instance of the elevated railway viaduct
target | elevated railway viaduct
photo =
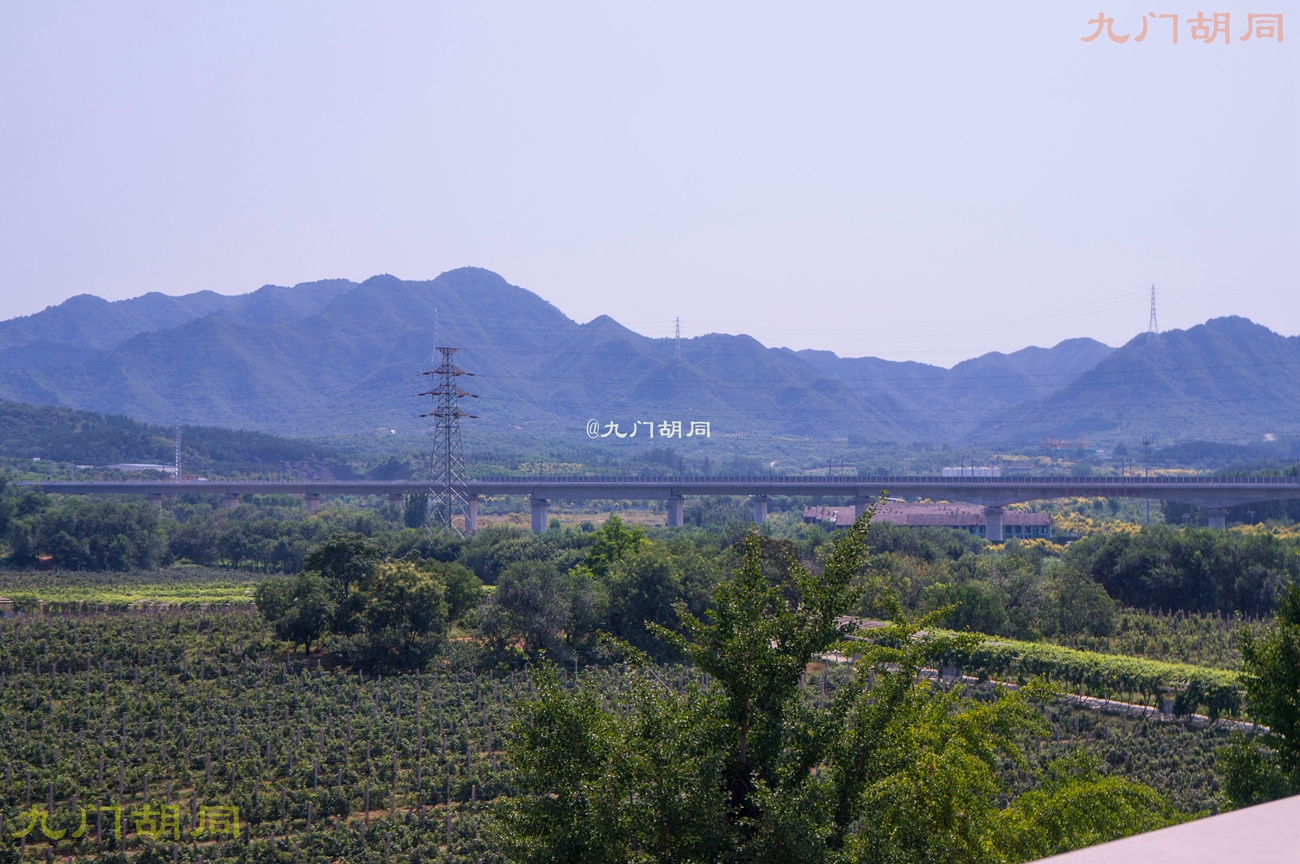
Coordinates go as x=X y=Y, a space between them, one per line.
x=993 y=493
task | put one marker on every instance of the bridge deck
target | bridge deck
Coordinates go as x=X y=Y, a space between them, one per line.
x=993 y=491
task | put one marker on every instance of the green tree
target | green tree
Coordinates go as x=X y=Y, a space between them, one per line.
x=1078 y=605
x=415 y=510
x=1077 y=806
x=739 y=765
x=543 y=609
x=7 y=506
x=1192 y=569
x=464 y=591
x=194 y=540
x=640 y=785
x=975 y=606
x=345 y=560
x=611 y=544
x=79 y=534
x=403 y=617
x=643 y=589
x=298 y=608
x=1268 y=767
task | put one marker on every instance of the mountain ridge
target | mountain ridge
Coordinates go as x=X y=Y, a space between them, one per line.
x=1206 y=380
x=335 y=356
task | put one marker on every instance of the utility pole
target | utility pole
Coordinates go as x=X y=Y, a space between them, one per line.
x=1146 y=448
x=447 y=491
x=176 y=424
x=1152 y=326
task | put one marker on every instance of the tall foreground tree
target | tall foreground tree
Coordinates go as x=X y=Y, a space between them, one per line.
x=742 y=766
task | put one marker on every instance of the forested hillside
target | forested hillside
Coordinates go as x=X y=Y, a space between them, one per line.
x=354 y=364
x=1220 y=380
x=85 y=438
x=344 y=357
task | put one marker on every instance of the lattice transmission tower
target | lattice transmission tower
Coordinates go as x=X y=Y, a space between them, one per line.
x=447 y=489
x=1152 y=326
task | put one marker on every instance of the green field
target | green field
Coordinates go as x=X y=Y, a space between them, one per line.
x=199 y=708
x=167 y=587
x=166 y=692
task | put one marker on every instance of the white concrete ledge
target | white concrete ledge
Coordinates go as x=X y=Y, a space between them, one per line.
x=1264 y=834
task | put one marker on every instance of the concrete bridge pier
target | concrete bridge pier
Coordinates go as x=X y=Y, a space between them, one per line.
x=312 y=500
x=993 y=524
x=861 y=504
x=675 y=503
x=471 y=514
x=539 y=514
x=155 y=500
x=760 y=508
x=1218 y=519
x=396 y=498
x=232 y=500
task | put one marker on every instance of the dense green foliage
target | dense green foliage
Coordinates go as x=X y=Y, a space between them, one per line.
x=742 y=766
x=1177 y=637
x=1199 y=585
x=614 y=580
x=1196 y=570
x=108 y=534
x=84 y=534
x=299 y=608
x=1269 y=767
x=1017 y=590
x=1111 y=676
x=388 y=615
x=742 y=752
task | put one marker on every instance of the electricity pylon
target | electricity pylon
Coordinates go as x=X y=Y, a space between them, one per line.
x=447 y=489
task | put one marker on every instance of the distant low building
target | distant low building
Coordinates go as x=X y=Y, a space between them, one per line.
x=1069 y=447
x=140 y=466
x=964 y=517
x=973 y=471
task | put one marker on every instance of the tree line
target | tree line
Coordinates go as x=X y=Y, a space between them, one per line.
x=1026 y=591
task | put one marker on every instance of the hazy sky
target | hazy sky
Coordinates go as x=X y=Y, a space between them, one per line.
x=913 y=181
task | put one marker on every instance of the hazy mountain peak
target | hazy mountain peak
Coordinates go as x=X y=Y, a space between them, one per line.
x=336 y=355
x=1226 y=379
x=606 y=324
x=89 y=322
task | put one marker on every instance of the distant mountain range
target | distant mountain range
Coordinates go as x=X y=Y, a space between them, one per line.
x=340 y=357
